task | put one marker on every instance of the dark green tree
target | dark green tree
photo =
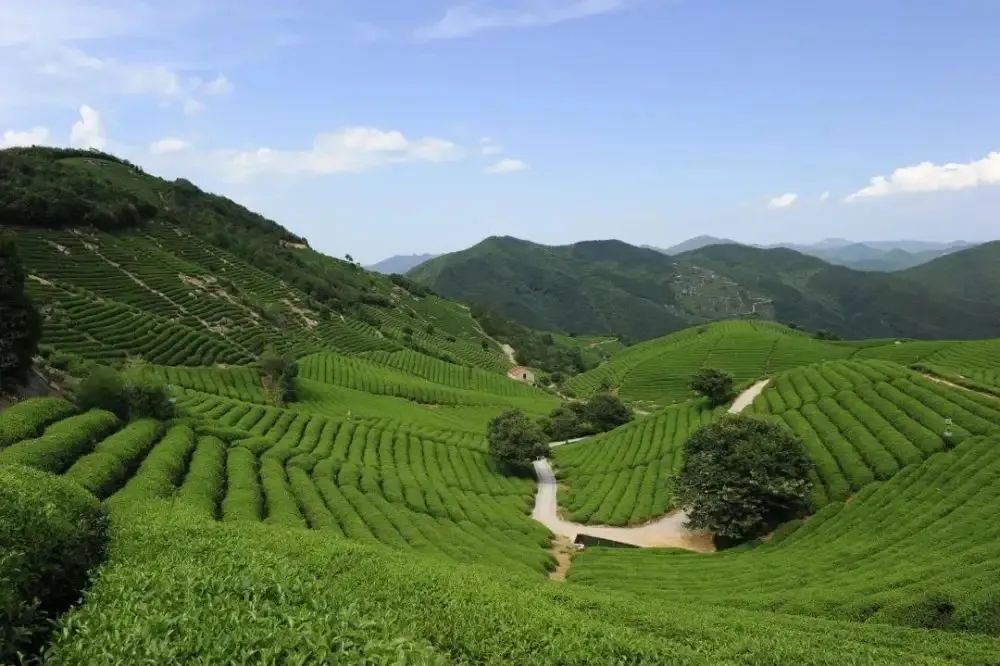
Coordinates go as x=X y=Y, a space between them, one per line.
x=741 y=475
x=515 y=441
x=103 y=388
x=20 y=325
x=278 y=372
x=715 y=385
x=606 y=412
x=146 y=394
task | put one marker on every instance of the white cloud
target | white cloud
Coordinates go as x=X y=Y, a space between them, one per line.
x=930 y=177
x=507 y=165
x=824 y=196
x=169 y=145
x=36 y=136
x=783 y=200
x=220 y=85
x=472 y=17
x=350 y=150
x=488 y=146
x=88 y=131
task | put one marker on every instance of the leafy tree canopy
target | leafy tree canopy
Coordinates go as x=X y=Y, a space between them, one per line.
x=714 y=385
x=741 y=475
x=515 y=441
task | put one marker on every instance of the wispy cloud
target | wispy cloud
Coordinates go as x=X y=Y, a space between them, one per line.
x=930 y=177
x=473 y=17
x=824 y=196
x=350 y=150
x=168 y=145
x=783 y=200
x=507 y=165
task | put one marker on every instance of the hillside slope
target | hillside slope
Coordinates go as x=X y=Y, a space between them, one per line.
x=599 y=287
x=610 y=287
x=126 y=264
x=855 y=304
x=972 y=274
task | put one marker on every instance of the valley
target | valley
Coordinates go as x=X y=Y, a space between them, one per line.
x=323 y=485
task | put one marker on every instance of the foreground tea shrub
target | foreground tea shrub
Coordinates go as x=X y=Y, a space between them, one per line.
x=52 y=533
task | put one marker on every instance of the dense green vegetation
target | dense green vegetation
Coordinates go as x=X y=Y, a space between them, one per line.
x=919 y=549
x=657 y=372
x=740 y=476
x=20 y=325
x=609 y=287
x=859 y=421
x=619 y=478
x=321 y=527
x=47 y=553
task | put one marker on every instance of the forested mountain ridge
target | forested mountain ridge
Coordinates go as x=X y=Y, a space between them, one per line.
x=610 y=287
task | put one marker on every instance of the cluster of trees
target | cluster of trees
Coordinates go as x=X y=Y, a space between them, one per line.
x=714 y=385
x=39 y=191
x=409 y=285
x=134 y=393
x=20 y=324
x=741 y=476
x=601 y=413
x=515 y=440
x=532 y=348
x=278 y=373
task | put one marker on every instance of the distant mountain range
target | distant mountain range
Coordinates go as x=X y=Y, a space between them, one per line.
x=610 y=287
x=884 y=256
x=400 y=263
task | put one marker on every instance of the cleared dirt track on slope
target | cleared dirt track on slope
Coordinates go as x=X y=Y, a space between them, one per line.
x=665 y=532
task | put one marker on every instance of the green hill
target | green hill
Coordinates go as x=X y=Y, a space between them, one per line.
x=364 y=521
x=597 y=287
x=609 y=287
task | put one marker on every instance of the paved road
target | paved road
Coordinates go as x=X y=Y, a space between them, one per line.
x=665 y=532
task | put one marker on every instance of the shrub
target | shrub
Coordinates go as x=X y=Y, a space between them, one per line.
x=52 y=532
x=741 y=475
x=62 y=443
x=113 y=461
x=515 y=441
x=27 y=418
x=715 y=385
x=103 y=389
x=147 y=397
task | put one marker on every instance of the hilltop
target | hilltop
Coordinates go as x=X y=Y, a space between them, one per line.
x=400 y=264
x=610 y=287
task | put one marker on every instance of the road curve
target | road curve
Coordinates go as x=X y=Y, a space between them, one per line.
x=665 y=532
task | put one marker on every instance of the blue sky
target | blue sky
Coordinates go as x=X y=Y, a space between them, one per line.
x=378 y=127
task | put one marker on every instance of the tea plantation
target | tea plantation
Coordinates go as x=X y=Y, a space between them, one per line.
x=362 y=520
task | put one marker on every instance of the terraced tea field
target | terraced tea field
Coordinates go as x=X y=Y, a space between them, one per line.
x=163 y=296
x=657 y=372
x=860 y=422
x=369 y=481
x=620 y=478
x=920 y=549
x=365 y=522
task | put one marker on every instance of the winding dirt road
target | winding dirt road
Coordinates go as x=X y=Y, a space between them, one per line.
x=665 y=532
